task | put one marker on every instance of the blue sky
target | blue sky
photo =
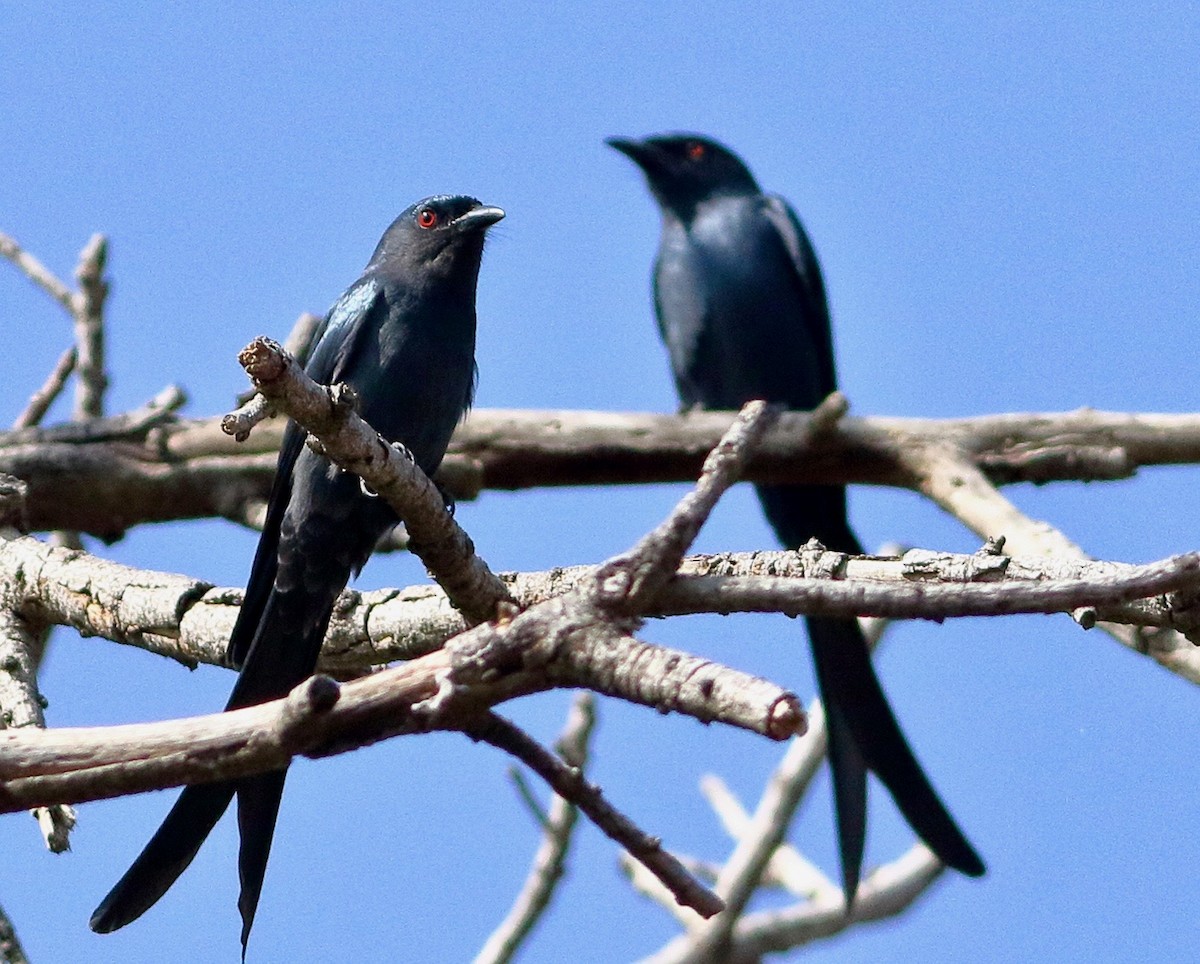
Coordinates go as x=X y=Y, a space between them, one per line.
x=1005 y=205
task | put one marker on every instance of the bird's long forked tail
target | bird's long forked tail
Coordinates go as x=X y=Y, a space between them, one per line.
x=180 y=837
x=270 y=671
x=864 y=735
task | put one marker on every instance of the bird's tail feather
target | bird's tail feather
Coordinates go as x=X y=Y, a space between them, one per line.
x=258 y=806
x=274 y=665
x=862 y=717
x=165 y=857
x=849 y=794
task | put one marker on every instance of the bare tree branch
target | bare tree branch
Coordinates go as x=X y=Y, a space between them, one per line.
x=550 y=860
x=947 y=476
x=190 y=469
x=887 y=892
x=568 y=782
x=442 y=545
x=88 y=311
x=473 y=672
x=37 y=272
x=189 y=620
x=787 y=868
x=21 y=704
x=41 y=400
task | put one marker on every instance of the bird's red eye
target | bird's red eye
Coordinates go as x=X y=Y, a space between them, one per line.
x=695 y=150
x=427 y=217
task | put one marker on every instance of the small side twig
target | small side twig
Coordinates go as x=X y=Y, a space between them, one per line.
x=88 y=311
x=787 y=866
x=41 y=400
x=241 y=421
x=37 y=272
x=550 y=859
x=632 y=579
x=569 y=783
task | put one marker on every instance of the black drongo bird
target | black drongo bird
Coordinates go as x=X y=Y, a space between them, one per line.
x=741 y=306
x=403 y=337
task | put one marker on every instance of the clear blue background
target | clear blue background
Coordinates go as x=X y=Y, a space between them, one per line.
x=1006 y=207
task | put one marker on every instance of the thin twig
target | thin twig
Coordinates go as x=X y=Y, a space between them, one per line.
x=888 y=891
x=37 y=272
x=88 y=310
x=787 y=865
x=632 y=579
x=568 y=782
x=41 y=400
x=550 y=859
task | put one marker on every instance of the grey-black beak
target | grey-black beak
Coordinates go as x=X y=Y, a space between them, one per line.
x=477 y=219
x=634 y=150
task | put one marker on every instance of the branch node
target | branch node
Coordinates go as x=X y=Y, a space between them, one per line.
x=993 y=546
x=343 y=400
x=787 y=718
x=239 y=423
x=56 y=823
x=314 y=697
x=12 y=503
x=264 y=360
x=825 y=417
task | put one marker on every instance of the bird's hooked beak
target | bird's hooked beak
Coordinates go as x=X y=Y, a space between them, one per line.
x=642 y=154
x=635 y=150
x=477 y=219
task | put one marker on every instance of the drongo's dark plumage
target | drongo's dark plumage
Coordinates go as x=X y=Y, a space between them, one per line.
x=403 y=336
x=741 y=306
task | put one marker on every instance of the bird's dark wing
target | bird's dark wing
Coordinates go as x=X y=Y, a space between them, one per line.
x=339 y=338
x=262 y=571
x=334 y=346
x=682 y=313
x=808 y=276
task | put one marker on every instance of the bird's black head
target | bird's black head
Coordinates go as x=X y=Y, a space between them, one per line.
x=685 y=169
x=436 y=235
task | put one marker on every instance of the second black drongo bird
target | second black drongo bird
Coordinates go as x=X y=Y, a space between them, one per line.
x=741 y=306
x=403 y=337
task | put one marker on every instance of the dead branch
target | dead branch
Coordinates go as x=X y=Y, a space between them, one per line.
x=88 y=310
x=190 y=469
x=550 y=860
x=38 y=273
x=189 y=620
x=41 y=400
x=346 y=439
x=568 y=782
x=947 y=476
